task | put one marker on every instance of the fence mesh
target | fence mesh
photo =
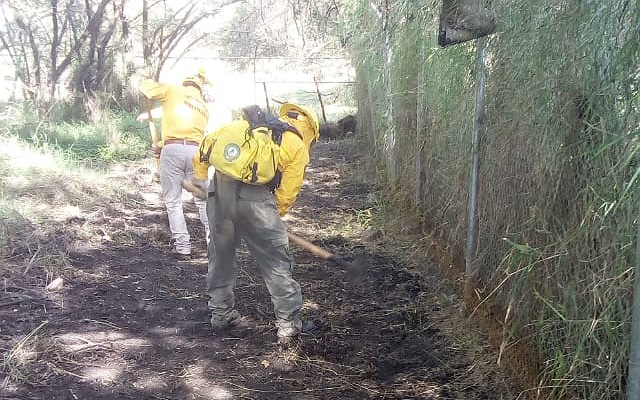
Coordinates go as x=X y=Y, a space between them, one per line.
x=557 y=205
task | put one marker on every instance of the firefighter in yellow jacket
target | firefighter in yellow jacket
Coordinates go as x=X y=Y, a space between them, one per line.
x=253 y=212
x=184 y=117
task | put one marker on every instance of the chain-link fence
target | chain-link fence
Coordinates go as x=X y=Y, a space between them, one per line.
x=557 y=200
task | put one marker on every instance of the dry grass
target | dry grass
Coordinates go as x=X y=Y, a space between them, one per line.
x=557 y=211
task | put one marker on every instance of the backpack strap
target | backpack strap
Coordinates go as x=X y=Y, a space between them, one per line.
x=205 y=155
x=274 y=183
x=258 y=118
x=278 y=128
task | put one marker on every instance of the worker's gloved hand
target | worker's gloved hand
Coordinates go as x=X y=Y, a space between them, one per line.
x=201 y=184
x=197 y=187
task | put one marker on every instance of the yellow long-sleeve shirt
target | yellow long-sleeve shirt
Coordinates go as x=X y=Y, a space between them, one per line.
x=292 y=162
x=184 y=111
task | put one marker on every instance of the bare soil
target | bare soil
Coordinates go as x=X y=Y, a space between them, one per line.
x=129 y=322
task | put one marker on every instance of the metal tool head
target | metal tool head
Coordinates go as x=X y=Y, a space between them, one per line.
x=356 y=269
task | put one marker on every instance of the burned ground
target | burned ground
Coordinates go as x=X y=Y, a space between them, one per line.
x=130 y=323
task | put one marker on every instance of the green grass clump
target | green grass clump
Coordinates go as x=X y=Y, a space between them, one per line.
x=116 y=137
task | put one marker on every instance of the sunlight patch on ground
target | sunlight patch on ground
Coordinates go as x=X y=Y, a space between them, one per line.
x=164 y=331
x=152 y=382
x=150 y=197
x=21 y=157
x=40 y=185
x=310 y=305
x=67 y=212
x=101 y=375
x=76 y=342
x=203 y=386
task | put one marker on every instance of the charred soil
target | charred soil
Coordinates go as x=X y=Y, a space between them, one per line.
x=130 y=322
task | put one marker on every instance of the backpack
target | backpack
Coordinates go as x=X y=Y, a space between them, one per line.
x=249 y=155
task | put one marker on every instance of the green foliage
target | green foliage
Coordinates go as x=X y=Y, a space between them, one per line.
x=559 y=158
x=277 y=29
x=116 y=137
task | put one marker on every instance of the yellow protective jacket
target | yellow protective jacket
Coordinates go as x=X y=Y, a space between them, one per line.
x=292 y=163
x=184 y=111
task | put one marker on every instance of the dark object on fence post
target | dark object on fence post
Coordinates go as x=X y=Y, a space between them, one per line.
x=464 y=20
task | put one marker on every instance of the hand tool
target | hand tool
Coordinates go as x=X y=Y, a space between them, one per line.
x=355 y=270
x=154 y=139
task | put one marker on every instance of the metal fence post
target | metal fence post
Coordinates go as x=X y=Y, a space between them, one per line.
x=633 y=381
x=472 y=232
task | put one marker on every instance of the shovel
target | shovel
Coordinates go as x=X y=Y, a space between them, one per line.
x=355 y=270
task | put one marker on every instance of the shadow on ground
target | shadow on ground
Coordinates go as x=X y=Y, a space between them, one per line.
x=131 y=323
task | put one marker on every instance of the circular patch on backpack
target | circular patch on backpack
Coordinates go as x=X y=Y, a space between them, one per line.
x=231 y=152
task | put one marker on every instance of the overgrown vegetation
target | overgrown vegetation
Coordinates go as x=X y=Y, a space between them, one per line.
x=557 y=203
x=115 y=137
x=281 y=29
x=50 y=170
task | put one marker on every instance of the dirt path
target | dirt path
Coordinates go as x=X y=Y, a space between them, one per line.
x=130 y=323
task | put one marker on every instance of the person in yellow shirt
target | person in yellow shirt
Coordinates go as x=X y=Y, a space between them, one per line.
x=254 y=213
x=184 y=117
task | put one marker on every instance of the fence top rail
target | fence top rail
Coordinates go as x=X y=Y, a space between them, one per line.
x=309 y=82
x=252 y=58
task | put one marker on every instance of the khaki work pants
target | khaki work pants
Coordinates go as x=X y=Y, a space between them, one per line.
x=240 y=211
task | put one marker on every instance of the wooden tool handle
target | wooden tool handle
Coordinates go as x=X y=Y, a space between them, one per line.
x=152 y=126
x=318 y=251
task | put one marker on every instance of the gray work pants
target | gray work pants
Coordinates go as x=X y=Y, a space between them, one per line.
x=176 y=165
x=241 y=211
